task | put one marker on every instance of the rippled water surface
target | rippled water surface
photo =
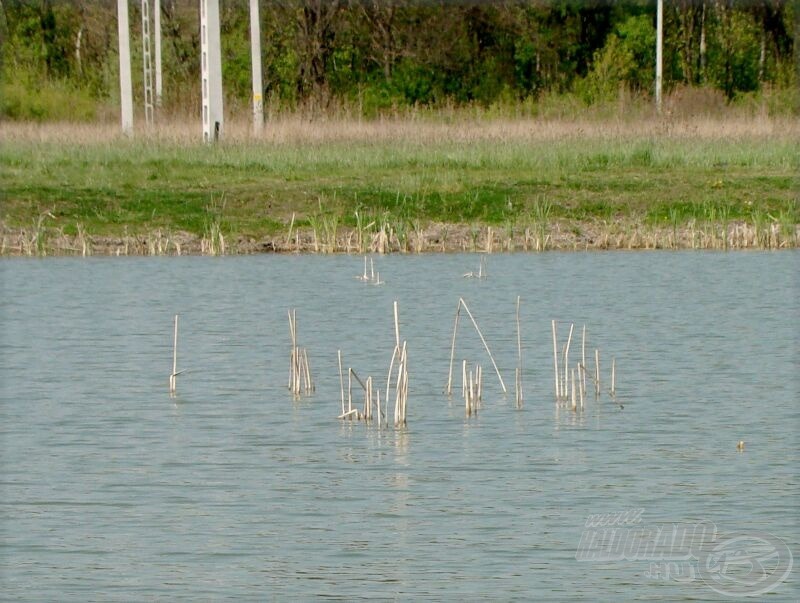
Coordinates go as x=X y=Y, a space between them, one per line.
x=113 y=490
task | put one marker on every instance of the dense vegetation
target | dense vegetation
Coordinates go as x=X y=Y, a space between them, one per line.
x=59 y=57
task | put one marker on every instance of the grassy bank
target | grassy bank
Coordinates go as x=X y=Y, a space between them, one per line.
x=402 y=185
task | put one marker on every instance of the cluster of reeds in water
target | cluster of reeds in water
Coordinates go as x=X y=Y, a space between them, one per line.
x=396 y=383
x=299 y=369
x=571 y=379
x=570 y=382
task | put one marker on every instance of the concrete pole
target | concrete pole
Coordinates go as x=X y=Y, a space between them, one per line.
x=211 y=70
x=659 y=51
x=255 y=52
x=125 y=86
x=157 y=22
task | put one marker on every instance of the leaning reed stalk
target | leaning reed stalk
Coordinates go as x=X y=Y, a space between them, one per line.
x=485 y=345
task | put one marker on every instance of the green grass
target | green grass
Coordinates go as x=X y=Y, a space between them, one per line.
x=252 y=189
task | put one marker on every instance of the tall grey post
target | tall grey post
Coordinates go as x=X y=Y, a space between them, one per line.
x=157 y=23
x=211 y=70
x=659 y=49
x=125 y=86
x=255 y=51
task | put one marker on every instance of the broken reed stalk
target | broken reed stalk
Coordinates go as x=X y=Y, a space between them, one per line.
x=173 y=378
x=518 y=379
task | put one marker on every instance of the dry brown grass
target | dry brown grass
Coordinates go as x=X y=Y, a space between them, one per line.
x=460 y=130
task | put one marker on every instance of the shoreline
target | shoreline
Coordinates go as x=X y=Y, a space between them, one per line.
x=435 y=238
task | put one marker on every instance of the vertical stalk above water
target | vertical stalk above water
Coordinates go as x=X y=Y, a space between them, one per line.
x=174 y=376
x=555 y=362
x=518 y=381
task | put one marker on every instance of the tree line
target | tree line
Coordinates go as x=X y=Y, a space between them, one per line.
x=382 y=54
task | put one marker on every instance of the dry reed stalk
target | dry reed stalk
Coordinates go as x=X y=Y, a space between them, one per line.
x=597 y=372
x=469 y=392
x=368 y=399
x=518 y=376
x=566 y=359
x=341 y=378
x=464 y=378
x=299 y=369
x=173 y=384
x=396 y=325
x=479 y=382
x=405 y=383
x=555 y=362
x=453 y=351
x=349 y=389
x=483 y=340
x=574 y=405
x=389 y=375
x=309 y=383
x=292 y=354
x=581 y=381
x=583 y=358
x=289 y=235
x=401 y=384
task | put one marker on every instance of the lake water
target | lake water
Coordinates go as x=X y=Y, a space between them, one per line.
x=113 y=490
